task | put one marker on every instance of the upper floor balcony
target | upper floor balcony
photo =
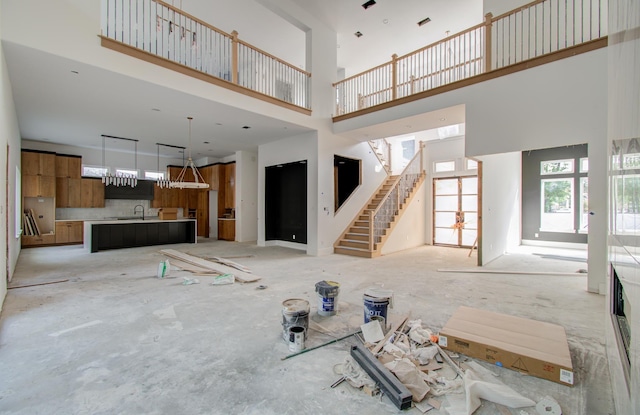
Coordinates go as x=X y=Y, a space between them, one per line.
x=160 y=33
x=536 y=33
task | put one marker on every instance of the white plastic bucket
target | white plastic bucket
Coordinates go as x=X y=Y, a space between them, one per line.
x=295 y=312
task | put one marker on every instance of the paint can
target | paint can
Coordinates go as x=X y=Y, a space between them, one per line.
x=327 y=297
x=376 y=302
x=296 y=338
x=295 y=312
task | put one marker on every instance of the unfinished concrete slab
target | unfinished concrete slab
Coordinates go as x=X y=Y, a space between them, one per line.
x=116 y=339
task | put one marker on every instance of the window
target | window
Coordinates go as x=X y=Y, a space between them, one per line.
x=584 y=165
x=444 y=166
x=556 y=210
x=584 y=204
x=556 y=167
x=154 y=175
x=472 y=164
x=94 y=171
x=126 y=173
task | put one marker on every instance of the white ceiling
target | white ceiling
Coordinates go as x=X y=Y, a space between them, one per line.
x=57 y=105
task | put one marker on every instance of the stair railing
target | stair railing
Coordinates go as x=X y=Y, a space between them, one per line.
x=381 y=217
x=382 y=148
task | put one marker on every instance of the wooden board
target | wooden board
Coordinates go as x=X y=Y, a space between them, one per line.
x=210 y=266
x=189 y=267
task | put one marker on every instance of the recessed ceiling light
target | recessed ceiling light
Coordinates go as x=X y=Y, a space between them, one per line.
x=155 y=109
x=443 y=119
x=205 y=142
x=75 y=72
x=385 y=21
x=218 y=123
x=368 y=4
x=424 y=21
x=358 y=33
x=246 y=127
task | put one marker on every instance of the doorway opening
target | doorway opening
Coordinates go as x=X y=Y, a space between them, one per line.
x=455 y=213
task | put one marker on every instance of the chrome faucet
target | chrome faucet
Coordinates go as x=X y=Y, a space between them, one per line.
x=135 y=209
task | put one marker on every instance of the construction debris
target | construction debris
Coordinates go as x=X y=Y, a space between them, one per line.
x=208 y=266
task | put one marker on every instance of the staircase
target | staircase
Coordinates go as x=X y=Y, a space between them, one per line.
x=367 y=233
x=382 y=148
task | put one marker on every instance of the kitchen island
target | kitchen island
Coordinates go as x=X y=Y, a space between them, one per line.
x=100 y=235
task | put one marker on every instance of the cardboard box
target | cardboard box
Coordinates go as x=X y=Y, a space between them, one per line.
x=528 y=346
x=168 y=213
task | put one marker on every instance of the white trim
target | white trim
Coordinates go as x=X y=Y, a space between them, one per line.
x=553 y=244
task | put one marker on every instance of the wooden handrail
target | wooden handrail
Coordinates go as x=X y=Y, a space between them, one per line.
x=177 y=10
x=362 y=73
x=446 y=39
x=274 y=58
x=518 y=10
x=395 y=183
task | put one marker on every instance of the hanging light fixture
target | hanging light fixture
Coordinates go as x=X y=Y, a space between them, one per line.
x=179 y=182
x=120 y=179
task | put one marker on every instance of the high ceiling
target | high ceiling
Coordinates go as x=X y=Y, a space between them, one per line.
x=67 y=102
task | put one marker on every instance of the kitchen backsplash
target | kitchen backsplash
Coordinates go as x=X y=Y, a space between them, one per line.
x=113 y=208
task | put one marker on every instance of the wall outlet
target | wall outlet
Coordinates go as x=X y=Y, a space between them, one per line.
x=294 y=237
x=536 y=235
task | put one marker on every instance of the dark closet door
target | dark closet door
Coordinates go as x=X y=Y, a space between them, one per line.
x=286 y=202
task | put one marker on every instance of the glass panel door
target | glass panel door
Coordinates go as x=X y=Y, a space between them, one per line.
x=455 y=215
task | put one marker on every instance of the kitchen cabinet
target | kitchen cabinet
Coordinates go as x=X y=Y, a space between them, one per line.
x=69 y=232
x=39 y=240
x=92 y=193
x=38 y=186
x=68 y=166
x=203 y=214
x=38 y=163
x=140 y=233
x=227 y=229
x=68 y=192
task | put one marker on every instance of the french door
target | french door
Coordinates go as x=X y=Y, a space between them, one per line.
x=455 y=211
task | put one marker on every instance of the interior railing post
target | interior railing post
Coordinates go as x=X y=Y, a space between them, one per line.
x=421 y=170
x=389 y=156
x=394 y=76
x=488 y=23
x=372 y=233
x=234 y=57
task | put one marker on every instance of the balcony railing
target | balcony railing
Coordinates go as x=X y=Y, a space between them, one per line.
x=160 y=29
x=528 y=32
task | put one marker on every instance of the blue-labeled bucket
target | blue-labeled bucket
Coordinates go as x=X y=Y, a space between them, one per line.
x=376 y=303
x=327 y=297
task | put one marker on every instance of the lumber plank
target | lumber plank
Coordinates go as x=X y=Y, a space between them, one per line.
x=241 y=276
x=393 y=329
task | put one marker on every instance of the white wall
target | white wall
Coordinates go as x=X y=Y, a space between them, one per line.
x=624 y=107
x=331 y=224
x=410 y=230
x=501 y=204
x=246 y=196
x=9 y=138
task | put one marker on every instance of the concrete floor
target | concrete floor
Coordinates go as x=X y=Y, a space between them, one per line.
x=116 y=340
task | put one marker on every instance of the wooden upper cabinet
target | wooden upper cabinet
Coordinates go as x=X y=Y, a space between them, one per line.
x=68 y=166
x=98 y=193
x=92 y=193
x=36 y=163
x=214 y=177
x=68 y=193
x=38 y=186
